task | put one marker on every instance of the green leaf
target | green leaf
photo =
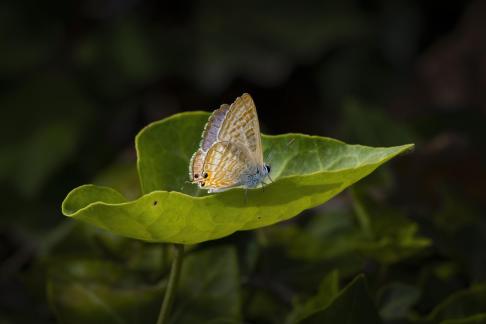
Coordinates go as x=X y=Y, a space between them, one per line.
x=96 y=291
x=75 y=302
x=209 y=289
x=459 y=306
x=475 y=319
x=352 y=305
x=338 y=234
x=461 y=238
x=121 y=175
x=262 y=306
x=306 y=173
x=328 y=289
x=397 y=299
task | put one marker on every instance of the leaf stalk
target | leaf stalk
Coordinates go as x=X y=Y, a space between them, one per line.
x=172 y=285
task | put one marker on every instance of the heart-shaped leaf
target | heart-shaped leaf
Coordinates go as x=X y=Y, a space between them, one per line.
x=306 y=170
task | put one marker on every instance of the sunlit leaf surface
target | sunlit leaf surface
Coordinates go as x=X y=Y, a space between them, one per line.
x=306 y=170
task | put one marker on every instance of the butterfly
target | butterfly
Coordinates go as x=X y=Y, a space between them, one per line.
x=230 y=153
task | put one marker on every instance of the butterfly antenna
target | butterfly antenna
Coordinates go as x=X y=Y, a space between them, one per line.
x=263 y=186
x=184 y=184
x=269 y=154
x=269 y=177
x=271 y=150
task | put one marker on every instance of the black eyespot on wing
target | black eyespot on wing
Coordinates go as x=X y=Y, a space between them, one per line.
x=205 y=175
x=202 y=184
x=196 y=176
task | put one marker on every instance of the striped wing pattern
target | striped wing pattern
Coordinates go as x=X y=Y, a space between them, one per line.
x=196 y=165
x=213 y=126
x=230 y=147
x=209 y=137
x=224 y=165
x=241 y=126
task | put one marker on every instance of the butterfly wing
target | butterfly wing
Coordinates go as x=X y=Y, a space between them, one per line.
x=224 y=165
x=213 y=126
x=209 y=136
x=241 y=126
x=196 y=165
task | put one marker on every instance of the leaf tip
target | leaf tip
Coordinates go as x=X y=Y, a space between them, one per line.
x=85 y=195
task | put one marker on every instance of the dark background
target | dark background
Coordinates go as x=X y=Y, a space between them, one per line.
x=79 y=79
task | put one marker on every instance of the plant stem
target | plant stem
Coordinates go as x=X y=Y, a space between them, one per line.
x=361 y=214
x=171 y=286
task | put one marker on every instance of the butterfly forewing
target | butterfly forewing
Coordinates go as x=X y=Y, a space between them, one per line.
x=241 y=126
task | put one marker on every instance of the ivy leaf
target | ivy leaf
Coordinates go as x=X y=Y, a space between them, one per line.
x=306 y=170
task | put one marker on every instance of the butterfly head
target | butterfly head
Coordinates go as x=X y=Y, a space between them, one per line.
x=200 y=179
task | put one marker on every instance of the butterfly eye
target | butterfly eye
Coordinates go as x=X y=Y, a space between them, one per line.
x=268 y=168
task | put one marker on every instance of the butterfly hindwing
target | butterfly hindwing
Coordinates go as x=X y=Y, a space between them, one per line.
x=224 y=165
x=213 y=126
x=196 y=165
x=209 y=137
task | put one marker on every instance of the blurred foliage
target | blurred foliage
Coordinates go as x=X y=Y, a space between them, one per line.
x=385 y=237
x=78 y=80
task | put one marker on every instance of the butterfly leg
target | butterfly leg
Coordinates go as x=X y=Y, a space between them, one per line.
x=263 y=186
x=268 y=175
x=184 y=184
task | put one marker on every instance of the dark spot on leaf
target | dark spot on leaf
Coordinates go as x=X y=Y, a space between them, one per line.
x=155 y=202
